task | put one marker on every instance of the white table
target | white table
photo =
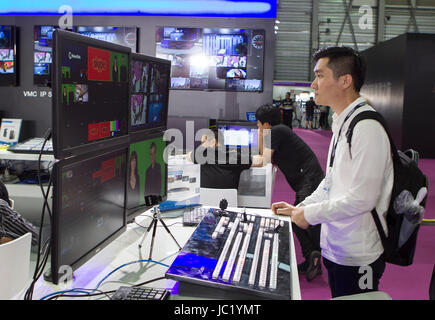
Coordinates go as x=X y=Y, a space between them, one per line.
x=125 y=249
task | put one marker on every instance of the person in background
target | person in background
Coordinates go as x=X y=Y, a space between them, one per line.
x=12 y=224
x=309 y=113
x=288 y=109
x=220 y=166
x=354 y=184
x=278 y=144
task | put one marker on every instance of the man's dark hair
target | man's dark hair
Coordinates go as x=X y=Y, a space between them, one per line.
x=215 y=134
x=344 y=60
x=4 y=194
x=268 y=113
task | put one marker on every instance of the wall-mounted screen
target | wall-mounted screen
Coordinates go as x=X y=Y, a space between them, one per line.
x=213 y=58
x=149 y=92
x=8 y=53
x=43 y=42
x=125 y=36
x=42 y=54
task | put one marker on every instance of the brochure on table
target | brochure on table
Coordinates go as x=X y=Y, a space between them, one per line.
x=10 y=131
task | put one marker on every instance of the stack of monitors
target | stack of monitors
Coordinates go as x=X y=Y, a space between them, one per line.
x=43 y=44
x=212 y=58
x=111 y=157
x=8 y=53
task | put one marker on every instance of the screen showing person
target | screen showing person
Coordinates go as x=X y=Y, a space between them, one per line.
x=138 y=109
x=81 y=93
x=68 y=94
x=147 y=171
x=236 y=73
x=139 y=76
x=119 y=67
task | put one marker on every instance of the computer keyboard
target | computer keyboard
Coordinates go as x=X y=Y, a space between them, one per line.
x=32 y=145
x=193 y=216
x=141 y=293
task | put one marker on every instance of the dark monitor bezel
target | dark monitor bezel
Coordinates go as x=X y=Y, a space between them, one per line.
x=157 y=125
x=138 y=137
x=59 y=153
x=56 y=203
x=11 y=79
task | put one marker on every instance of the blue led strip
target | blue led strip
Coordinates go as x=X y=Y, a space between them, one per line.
x=196 y=8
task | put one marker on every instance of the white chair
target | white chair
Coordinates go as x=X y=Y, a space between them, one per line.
x=211 y=197
x=15 y=267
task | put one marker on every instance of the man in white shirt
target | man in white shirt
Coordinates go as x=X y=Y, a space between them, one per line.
x=355 y=182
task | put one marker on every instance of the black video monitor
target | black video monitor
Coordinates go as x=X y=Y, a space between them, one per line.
x=8 y=56
x=213 y=58
x=149 y=92
x=243 y=134
x=90 y=94
x=88 y=206
x=125 y=36
x=147 y=172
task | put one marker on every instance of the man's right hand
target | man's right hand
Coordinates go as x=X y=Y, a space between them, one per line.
x=282 y=208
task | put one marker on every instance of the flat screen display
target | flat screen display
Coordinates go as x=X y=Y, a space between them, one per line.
x=238 y=133
x=8 y=52
x=91 y=94
x=89 y=206
x=149 y=92
x=147 y=171
x=213 y=58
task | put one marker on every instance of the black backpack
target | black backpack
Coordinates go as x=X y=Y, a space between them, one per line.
x=407 y=176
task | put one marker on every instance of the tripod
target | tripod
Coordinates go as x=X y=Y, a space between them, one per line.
x=156 y=217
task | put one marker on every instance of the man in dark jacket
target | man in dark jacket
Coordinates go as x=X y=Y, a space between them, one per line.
x=279 y=145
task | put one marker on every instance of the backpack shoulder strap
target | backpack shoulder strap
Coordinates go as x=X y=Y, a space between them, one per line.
x=374 y=116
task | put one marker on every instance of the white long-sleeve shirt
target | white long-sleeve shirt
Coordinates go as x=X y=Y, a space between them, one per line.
x=356 y=185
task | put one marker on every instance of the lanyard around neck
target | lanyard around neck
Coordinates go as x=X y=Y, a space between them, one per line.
x=331 y=161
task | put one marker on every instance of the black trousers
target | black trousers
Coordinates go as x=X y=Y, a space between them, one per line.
x=309 y=239
x=346 y=280
x=323 y=120
x=287 y=118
